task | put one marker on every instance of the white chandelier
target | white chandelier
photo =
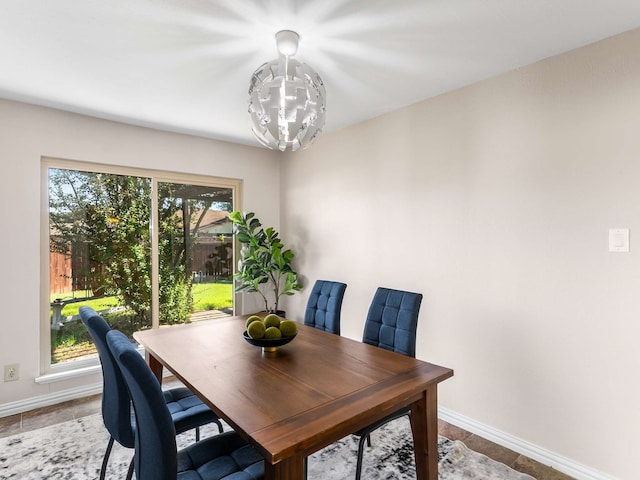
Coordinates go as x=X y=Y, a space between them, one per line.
x=286 y=99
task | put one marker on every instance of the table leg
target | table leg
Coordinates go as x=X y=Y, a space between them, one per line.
x=424 y=425
x=288 y=469
x=155 y=365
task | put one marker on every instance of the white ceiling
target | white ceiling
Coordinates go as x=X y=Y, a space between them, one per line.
x=185 y=65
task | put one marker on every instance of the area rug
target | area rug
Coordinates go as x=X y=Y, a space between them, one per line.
x=73 y=451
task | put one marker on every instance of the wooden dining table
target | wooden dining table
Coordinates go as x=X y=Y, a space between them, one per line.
x=309 y=393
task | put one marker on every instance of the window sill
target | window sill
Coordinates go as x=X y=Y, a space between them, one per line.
x=84 y=367
x=68 y=374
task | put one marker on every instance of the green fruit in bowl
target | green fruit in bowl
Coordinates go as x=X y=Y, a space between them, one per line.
x=272 y=320
x=256 y=330
x=251 y=319
x=272 y=333
x=288 y=328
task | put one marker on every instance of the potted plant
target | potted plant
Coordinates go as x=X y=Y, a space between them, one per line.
x=265 y=265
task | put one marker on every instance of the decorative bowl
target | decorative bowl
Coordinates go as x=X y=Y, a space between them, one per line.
x=268 y=344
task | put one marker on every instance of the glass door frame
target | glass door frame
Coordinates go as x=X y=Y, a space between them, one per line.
x=233 y=184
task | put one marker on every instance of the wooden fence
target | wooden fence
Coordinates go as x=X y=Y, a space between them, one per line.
x=210 y=260
x=60 y=274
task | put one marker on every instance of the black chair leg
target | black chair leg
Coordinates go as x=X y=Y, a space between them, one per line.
x=130 y=471
x=105 y=460
x=360 y=454
x=220 y=430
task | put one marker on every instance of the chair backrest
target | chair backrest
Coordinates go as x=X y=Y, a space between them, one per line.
x=324 y=306
x=156 y=456
x=116 y=403
x=392 y=321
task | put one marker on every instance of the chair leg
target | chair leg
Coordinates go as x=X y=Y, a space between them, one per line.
x=369 y=441
x=360 y=454
x=220 y=430
x=306 y=467
x=130 y=471
x=105 y=460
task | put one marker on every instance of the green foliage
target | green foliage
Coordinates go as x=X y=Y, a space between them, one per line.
x=265 y=261
x=107 y=217
x=125 y=257
x=206 y=296
x=175 y=297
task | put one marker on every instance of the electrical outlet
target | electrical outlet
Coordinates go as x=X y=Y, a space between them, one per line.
x=11 y=372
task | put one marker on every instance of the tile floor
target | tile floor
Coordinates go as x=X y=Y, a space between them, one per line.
x=86 y=406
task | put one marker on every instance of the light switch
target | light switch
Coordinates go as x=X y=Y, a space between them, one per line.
x=618 y=239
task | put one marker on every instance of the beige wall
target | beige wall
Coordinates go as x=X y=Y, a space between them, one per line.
x=28 y=133
x=495 y=202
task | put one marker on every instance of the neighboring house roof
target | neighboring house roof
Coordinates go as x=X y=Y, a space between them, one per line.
x=213 y=223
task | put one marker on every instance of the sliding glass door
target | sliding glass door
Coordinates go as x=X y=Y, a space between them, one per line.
x=142 y=248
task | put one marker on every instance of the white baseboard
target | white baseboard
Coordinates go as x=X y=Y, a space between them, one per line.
x=46 y=400
x=546 y=457
x=40 y=401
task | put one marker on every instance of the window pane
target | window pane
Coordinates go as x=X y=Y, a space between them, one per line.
x=100 y=255
x=195 y=252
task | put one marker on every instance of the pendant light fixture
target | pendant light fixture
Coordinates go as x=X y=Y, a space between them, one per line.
x=286 y=99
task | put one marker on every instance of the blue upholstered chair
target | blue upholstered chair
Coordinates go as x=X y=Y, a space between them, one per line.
x=324 y=306
x=323 y=312
x=391 y=324
x=187 y=411
x=223 y=456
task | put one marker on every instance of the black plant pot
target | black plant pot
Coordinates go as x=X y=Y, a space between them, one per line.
x=280 y=313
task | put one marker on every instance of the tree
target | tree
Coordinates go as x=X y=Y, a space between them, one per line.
x=108 y=217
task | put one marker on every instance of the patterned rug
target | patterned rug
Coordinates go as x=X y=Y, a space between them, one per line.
x=73 y=451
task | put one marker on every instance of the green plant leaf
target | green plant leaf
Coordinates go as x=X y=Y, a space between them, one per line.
x=236 y=217
x=266 y=265
x=253 y=224
x=243 y=238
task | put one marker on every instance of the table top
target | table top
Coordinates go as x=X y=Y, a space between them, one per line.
x=310 y=393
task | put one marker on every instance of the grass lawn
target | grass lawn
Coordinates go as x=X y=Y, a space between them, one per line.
x=212 y=296
x=98 y=304
x=73 y=340
x=206 y=296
